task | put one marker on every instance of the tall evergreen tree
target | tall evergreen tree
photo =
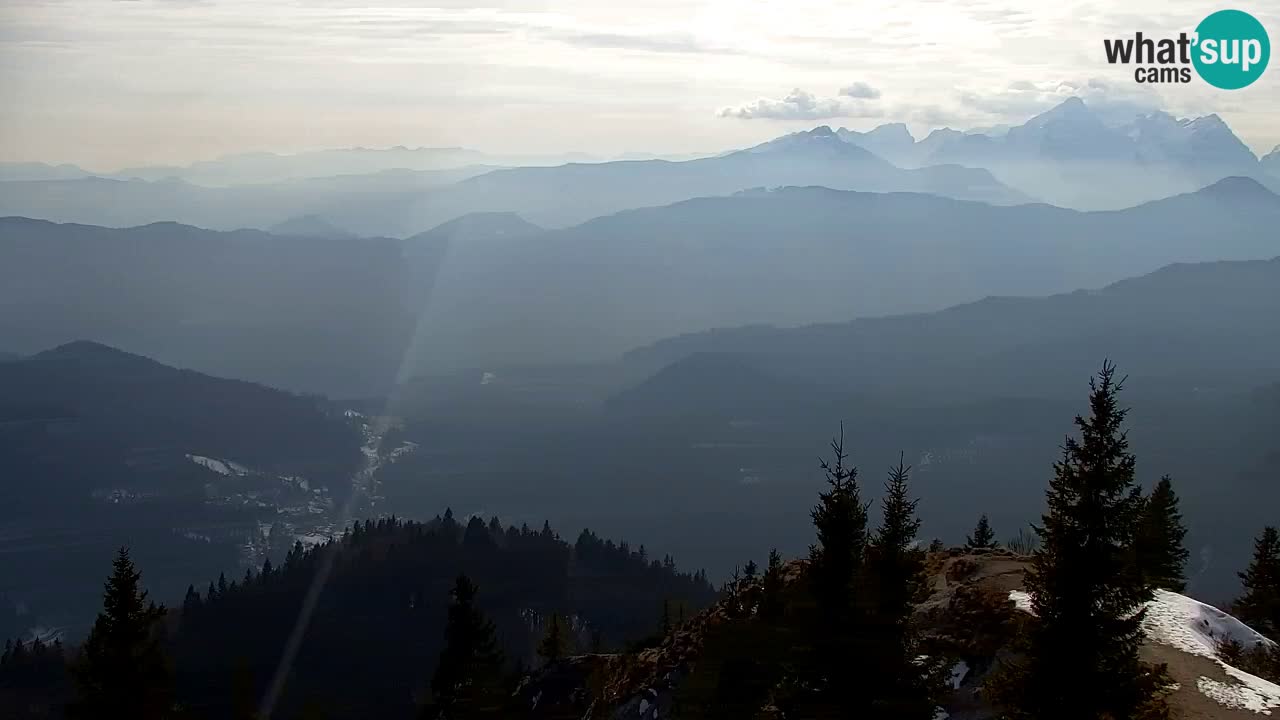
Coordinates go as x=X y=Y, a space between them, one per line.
x=983 y=538
x=899 y=565
x=772 y=585
x=122 y=672
x=902 y=686
x=1162 y=558
x=1087 y=594
x=832 y=667
x=191 y=602
x=841 y=522
x=1259 y=607
x=469 y=672
x=555 y=639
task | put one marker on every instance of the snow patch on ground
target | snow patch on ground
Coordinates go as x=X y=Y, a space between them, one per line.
x=222 y=467
x=405 y=448
x=1022 y=601
x=1195 y=628
x=314 y=538
x=1241 y=697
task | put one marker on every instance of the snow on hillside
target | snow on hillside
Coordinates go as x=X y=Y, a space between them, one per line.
x=222 y=467
x=1195 y=628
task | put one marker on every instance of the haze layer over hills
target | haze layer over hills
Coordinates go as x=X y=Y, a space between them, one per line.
x=348 y=316
x=1069 y=156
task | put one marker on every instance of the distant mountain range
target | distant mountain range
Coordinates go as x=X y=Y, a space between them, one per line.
x=1205 y=319
x=266 y=167
x=403 y=203
x=1070 y=156
x=305 y=313
x=309 y=226
x=802 y=255
x=569 y=194
x=364 y=204
x=349 y=316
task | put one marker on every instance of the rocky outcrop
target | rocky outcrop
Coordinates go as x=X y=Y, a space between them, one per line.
x=968 y=614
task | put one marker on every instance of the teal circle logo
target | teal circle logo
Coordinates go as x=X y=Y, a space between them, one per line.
x=1232 y=49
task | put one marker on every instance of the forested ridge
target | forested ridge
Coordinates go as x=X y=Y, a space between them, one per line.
x=383 y=587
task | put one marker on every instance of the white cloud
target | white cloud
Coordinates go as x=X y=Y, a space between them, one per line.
x=801 y=105
x=861 y=90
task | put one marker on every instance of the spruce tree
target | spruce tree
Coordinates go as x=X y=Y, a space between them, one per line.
x=191 y=602
x=841 y=522
x=1081 y=658
x=1162 y=558
x=772 y=586
x=983 y=538
x=902 y=687
x=555 y=640
x=899 y=565
x=469 y=671
x=121 y=672
x=1259 y=607
x=832 y=668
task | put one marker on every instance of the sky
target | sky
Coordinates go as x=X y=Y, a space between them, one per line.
x=114 y=83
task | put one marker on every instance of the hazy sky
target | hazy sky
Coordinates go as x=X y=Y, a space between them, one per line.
x=107 y=84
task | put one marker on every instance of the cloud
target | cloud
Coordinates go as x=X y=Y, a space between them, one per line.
x=1024 y=98
x=644 y=43
x=861 y=91
x=802 y=105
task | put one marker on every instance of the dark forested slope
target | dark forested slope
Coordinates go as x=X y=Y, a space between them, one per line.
x=374 y=628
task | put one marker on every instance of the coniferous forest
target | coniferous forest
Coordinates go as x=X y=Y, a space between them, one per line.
x=467 y=618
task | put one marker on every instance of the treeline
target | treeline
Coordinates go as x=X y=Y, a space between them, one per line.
x=368 y=610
